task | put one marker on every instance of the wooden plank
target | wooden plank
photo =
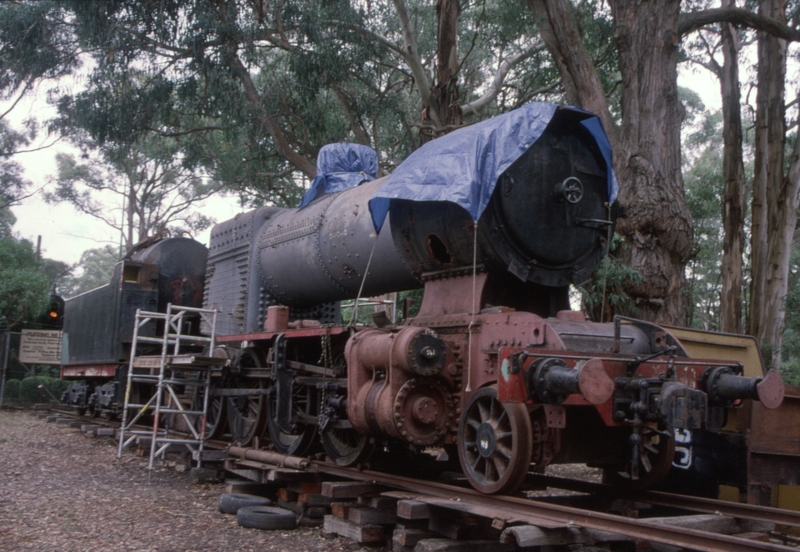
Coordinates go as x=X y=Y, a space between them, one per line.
x=465 y=528
x=529 y=536
x=248 y=487
x=379 y=502
x=314 y=499
x=413 y=509
x=363 y=534
x=340 y=509
x=282 y=475
x=410 y=537
x=371 y=516
x=305 y=487
x=447 y=545
x=349 y=489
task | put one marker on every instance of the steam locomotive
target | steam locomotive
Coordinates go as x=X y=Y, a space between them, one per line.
x=494 y=222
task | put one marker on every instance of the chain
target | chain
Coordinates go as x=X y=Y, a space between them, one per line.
x=325 y=360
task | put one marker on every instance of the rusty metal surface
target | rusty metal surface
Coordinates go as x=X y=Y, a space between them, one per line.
x=693 y=503
x=290 y=333
x=771 y=390
x=88 y=371
x=495 y=443
x=391 y=385
x=777 y=431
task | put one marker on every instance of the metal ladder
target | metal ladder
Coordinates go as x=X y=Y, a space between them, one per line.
x=175 y=368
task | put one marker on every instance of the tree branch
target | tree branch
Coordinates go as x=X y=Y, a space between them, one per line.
x=499 y=78
x=412 y=53
x=692 y=21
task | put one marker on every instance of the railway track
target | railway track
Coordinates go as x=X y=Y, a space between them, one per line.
x=510 y=510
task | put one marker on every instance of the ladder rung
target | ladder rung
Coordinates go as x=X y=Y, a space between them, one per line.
x=179 y=441
x=177 y=411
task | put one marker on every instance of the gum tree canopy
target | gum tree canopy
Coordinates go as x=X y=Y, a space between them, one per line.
x=250 y=89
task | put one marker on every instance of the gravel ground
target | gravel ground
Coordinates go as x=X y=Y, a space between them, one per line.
x=61 y=490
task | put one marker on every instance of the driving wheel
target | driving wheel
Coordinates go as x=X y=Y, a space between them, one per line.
x=494 y=442
x=299 y=439
x=345 y=446
x=245 y=413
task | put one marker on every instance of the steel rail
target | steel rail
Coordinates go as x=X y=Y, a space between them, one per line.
x=514 y=507
x=697 y=504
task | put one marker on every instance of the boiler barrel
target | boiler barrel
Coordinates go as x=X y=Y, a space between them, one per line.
x=547 y=224
x=320 y=253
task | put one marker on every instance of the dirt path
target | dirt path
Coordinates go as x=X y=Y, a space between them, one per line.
x=61 y=490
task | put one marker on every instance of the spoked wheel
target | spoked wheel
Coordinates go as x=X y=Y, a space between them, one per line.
x=654 y=455
x=346 y=447
x=494 y=442
x=217 y=413
x=301 y=436
x=246 y=417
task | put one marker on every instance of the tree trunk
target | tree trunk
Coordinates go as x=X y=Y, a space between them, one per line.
x=444 y=112
x=647 y=158
x=733 y=205
x=775 y=198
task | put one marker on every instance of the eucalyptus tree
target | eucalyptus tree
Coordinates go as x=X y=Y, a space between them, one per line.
x=146 y=180
x=276 y=81
x=645 y=131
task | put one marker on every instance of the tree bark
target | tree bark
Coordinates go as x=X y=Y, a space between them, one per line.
x=775 y=198
x=659 y=225
x=733 y=205
x=647 y=158
x=444 y=112
x=562 y=36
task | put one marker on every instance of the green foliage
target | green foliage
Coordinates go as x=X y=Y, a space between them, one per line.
x=41 y=389
x=237 y=84
x=34 y=44
x=24 y=288
x=604 y=295
x=11 y=390
x=146 y=177
x=790 y=347
x=704 y=188
x=96 y=266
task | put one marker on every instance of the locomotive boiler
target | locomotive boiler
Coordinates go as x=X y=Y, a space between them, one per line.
x=494 y=222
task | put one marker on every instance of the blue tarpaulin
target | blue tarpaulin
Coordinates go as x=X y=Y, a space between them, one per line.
x=339 y=167
x=463 y=167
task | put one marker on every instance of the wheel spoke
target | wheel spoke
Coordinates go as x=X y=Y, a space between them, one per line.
x=645 y=460
x=507 y=452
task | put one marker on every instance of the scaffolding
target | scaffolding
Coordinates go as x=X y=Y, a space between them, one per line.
x=179 y=371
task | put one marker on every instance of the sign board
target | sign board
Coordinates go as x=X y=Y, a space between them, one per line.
x=40 y=347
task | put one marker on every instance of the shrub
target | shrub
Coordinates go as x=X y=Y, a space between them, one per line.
x=34 y=389
x=11 y=392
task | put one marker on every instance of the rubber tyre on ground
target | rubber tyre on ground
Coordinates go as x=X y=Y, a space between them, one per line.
x=230 y=503
x=266 y=517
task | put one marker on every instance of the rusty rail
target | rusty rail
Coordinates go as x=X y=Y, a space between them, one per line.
x=697 y=504
x=517 y=508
